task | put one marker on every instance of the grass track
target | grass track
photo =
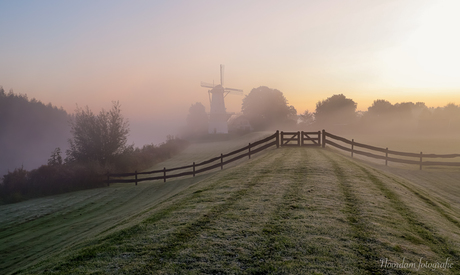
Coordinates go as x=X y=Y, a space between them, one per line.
x=361 y=232
x=289 y=211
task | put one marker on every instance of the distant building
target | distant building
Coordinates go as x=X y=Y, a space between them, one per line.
x=218 y=115
x=239 y=123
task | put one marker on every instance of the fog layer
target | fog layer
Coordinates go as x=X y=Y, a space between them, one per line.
x=29 y=131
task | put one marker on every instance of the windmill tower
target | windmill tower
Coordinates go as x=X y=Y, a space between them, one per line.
x=218 y=115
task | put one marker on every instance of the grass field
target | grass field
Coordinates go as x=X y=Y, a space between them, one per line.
x=45 y=227
x=286 y=211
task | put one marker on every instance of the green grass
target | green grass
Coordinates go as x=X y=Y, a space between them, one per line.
x=285 y=211
x=41 y=228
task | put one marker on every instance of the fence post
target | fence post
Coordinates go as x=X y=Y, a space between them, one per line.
x=194 y=169
x=282 y=138
x=164 y=174
x=221 y=161
x=277 y=139
x=108 y=178
x=352 y=146
x=298 y=137
x=421 y=154
x=249 y=150
x=319 y=138
x=386 y=156
x=324 y=138
x=301 y=139
x=135 y=176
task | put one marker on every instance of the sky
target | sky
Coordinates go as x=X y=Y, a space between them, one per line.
x=151 y=56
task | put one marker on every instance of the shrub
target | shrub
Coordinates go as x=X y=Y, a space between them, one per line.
x=56 y=178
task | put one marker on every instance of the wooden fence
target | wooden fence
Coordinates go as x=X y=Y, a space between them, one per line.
x=326 y=139
x=301 y=138
x=197 y=168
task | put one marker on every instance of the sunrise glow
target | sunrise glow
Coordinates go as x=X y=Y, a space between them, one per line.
x=151 y=56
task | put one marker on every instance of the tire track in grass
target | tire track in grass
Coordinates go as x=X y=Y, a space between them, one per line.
x=327 y=237
x=118 y=243
x=326 y=240
x=297 y=239
x=179 y=239
x=427 y=235
x=39 y=237
x=361 y=232
x=270 y=257
x=427 y=200
x=437 y=244
x=227 y=243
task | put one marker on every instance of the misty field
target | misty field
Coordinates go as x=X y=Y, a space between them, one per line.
x=44 y=227
x=285 y=211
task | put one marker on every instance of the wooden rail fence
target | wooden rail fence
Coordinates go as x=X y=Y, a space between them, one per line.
x=301 y=138
x=420 y=157
x=298 y=139
x=197 y=168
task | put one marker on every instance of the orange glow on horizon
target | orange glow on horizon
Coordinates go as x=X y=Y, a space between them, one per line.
x=152 y=57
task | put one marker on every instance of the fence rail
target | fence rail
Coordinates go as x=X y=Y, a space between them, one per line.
x=196 y=168
x=299 y=139
x=420 y=156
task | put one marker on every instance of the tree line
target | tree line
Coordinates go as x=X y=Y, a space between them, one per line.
x=29 y=131
x=97 y=145
x=268 y=109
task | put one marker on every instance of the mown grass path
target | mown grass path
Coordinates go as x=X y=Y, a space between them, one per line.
x=289 y=211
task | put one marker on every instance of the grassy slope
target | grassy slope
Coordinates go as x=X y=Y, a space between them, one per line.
x=41 y=228
x=290 y=210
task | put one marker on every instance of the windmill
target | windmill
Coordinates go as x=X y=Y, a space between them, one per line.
x=218 y=115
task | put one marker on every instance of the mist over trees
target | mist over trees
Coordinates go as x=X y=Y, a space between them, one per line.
x=338 y=113
x=97 y=146
x=383 y=116
x=306 y=119
x=197 y=121
x=335 y=112
x=98 y=137
x=267 y=108
x=96 y=143
x=409 y=117
x=29 y=131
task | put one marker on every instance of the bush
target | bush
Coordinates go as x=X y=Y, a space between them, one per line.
x=142 y=158
x=56 y=178
x=47 y=180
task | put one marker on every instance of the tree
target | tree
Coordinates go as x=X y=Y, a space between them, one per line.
x=97 y=138
x=197 y=120
x=55 y=158
x=265 y=107
x=447 y=117
x=335 y=110
x=380 y=108
x=307 y=119
x=29 y=130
